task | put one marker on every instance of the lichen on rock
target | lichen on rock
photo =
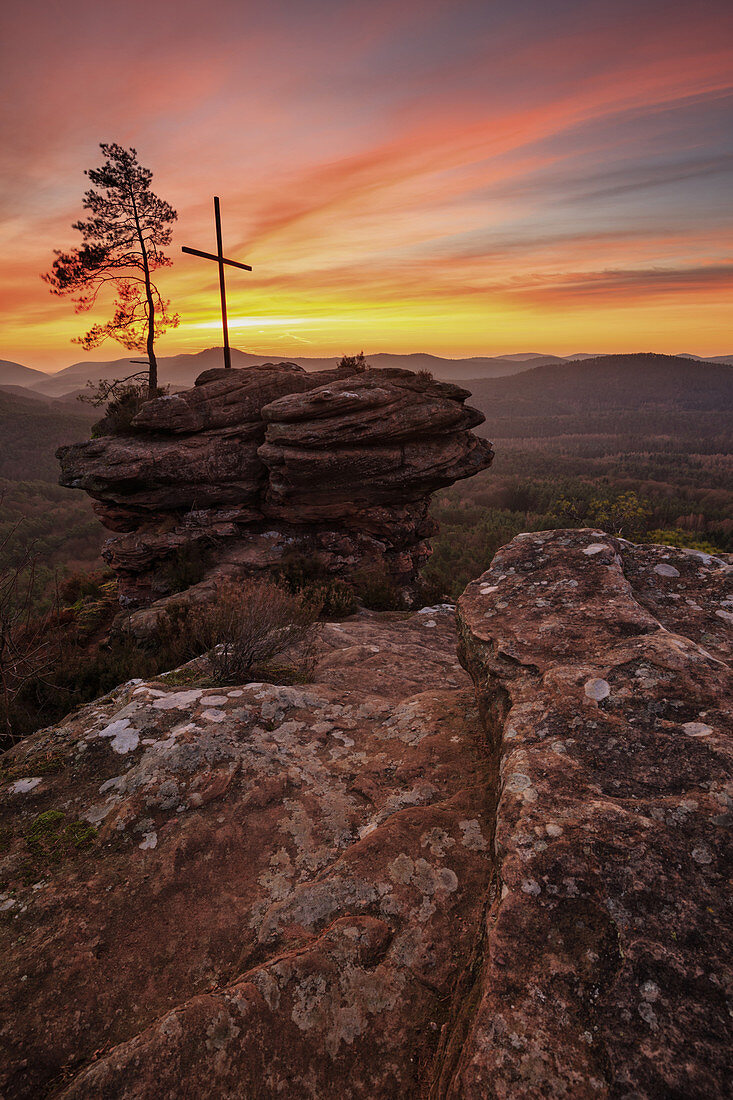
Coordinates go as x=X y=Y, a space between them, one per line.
x=602 y=670
x=391 y=882
x=234 y=927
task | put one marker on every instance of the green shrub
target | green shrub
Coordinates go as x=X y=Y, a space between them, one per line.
x=297 y=571
x=81 y=584
x=377 y=590
x=685 y=539
x=335 y=598
x=177 y=636
x=308 y=576
x=123 y=400
x=357 y=364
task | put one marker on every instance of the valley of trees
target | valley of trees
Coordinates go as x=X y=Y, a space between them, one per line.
x=637 y=445
x=678 y=498
x=35 y=511
x=32 y=429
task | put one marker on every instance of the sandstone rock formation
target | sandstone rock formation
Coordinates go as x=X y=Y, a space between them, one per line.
x=250 y=465
x=603 y=674
x=366 y=887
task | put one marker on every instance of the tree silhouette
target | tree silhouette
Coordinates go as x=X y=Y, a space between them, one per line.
x=122 y=245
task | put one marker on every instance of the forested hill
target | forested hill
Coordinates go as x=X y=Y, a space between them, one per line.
x=610 y=383
x=31 y=430
x=15 y=374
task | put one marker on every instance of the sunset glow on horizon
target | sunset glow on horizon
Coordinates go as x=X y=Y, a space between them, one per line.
x=465 y=178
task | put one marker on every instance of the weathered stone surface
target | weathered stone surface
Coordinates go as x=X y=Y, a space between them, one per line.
x=223 y=398
x=602 y=676
x=368 y=886
x=319 y=457
x=353 y=477
x=283 y=892
x=381 y=407
x=219 y=467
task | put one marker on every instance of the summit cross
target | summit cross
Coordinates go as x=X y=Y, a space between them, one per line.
x=220 y=259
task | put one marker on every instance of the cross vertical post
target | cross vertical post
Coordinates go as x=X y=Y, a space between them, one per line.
x=220 y=259
x=222 y=287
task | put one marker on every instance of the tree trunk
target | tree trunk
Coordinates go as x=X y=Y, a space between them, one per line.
x=152 y=361
x=150 y=341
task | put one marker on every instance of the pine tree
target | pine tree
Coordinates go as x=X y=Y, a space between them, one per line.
x=122 y=245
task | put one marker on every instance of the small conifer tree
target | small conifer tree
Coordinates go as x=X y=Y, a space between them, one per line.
x=123 y=239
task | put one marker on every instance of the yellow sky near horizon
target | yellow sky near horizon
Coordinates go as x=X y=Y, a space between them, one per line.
x=462 y=179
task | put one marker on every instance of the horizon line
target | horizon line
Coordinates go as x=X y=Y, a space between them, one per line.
x=396 y=354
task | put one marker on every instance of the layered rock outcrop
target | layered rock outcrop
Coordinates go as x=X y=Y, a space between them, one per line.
x=251 y=465
x=391 y=882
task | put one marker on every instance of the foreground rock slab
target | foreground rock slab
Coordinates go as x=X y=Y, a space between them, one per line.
x=370 y=887
x=283 y=890
x=602 y=670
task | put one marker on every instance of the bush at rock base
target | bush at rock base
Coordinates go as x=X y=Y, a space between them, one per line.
x=248 y=624
x=335 y=598
x=186 y=567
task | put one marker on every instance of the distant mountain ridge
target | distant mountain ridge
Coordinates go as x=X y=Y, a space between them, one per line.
x=727 y=359
x=182 y=370
x=606 y=385
x=641 y=395
x=15 y=374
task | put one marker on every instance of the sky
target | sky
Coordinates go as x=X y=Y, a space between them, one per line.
x=463 y=177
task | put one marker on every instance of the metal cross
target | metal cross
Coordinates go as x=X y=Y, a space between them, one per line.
x=220 y=260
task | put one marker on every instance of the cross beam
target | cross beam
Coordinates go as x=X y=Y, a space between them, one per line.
x=210 y=256
x=220 y=259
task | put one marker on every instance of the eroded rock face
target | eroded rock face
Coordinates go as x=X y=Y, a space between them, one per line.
x=283 y=892
x=252 y=464
x=603 y=674
x=383 y=884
